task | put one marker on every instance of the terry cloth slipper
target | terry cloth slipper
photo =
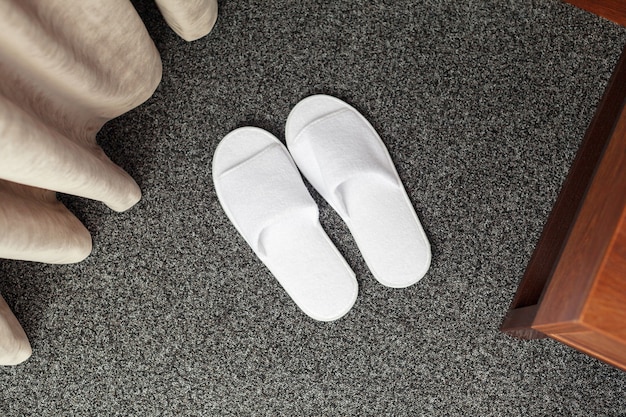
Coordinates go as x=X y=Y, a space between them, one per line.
x=342 y=156
x=264 y=196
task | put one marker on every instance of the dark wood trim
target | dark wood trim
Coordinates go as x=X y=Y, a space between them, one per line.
x=518 y=323
x=606 y=348
x=582 y=263
x=560 y=222
x=614 y=10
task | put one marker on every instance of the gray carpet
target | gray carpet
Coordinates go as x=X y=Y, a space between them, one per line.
x=482 y=105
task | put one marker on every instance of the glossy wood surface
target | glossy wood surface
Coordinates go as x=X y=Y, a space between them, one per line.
x=605 y=309
x=591 y=242
x=614 y=10
x=520 y=316
x=579 y=297
x=585 y=304
x=599 y=345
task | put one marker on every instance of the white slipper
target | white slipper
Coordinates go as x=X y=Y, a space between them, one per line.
x=264 y=196
x=342 y=156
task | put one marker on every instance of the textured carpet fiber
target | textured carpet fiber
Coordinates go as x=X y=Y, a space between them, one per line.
x=482 y=105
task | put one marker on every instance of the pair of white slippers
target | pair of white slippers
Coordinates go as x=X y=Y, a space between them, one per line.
x=344 y=159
